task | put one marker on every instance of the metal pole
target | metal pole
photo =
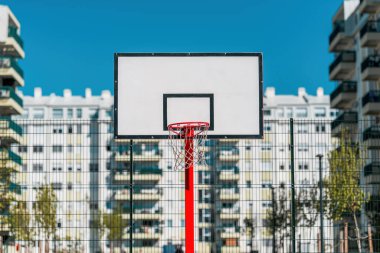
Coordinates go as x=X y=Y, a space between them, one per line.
x=274 y=221
x=130 y=197
x=293 y=219
x=322 y=238
x=189 y=190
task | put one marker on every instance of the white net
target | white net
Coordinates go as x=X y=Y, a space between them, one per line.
x=188 y=141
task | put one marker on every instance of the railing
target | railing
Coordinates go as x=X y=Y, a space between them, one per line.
x=372 y=96
x=9 y=92
x=347 y=86
x=371 y=62
x=12 y=32
x=11 y=63
x=345 y=118
x=370 y=26
x=372 y=168
x=10 y=155
x=10 y=124
x=372 y=132
x=338 y=28
x=347 y=56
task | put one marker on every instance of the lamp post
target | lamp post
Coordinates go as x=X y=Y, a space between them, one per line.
x=321 y=202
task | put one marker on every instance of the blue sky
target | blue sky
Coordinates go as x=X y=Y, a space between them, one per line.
x=70 y=44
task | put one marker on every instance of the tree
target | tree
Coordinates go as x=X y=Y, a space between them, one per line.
x=20 y=223
x=100 y=227
x=115 y=225
x=45 y=209
x=344 y=194
x=250 y=225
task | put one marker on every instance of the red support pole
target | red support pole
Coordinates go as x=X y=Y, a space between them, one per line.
x=189 y=190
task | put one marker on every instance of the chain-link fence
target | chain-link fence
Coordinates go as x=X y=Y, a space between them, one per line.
x=67 y=188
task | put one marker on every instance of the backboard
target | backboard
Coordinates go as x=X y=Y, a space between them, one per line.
x=153 y=90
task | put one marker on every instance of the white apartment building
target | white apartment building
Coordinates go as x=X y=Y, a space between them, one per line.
x=355 y=42
x=70 y=144
x=67 y=139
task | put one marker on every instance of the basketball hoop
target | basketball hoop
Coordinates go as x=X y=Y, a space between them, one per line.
x=187 y=140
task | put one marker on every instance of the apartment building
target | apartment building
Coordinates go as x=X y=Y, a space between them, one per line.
x=11 y=78
x=355 y=41
x=68 y=145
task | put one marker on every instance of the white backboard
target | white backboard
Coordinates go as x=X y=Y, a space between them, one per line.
x=154 y=90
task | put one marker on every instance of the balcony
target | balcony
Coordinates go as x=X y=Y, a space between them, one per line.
x=371 y=103
x=339 y=40
x=346 y=121
x=229 y=213
x=144 y=214
x=372 y=173
x=9 y=159
x=370 y=34
x=11 y=72
x=343 y=66
x=146 y=174
x=145 y=233
x=10 y=131
x=229 y=174
x=230 y=232
x=10 y=102
x=229 y=194
x=145 y=156
x=229 y=154
x=13 y=45
x=343 y=97
x=371 y=137
x=230 y=249
x=369 y=6
x=370 y=68
x=140 y=193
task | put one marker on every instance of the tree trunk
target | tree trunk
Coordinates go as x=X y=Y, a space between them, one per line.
x=47 y=246
x=345 y=237
x=370 y=242
x=358 y=236
x=111 y=246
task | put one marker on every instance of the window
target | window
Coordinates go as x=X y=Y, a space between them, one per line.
x=266 y=165
x=24 y=115
x=267 y=112
x=280 y=113
x=25 y=167
x=57 y=186
x=266 y=146
x=303 y=129
x=320 y=128
x=79 y=129
x=38 y=149
x=70 y=129
x=70 y=168
x=69 y=186
x=38 y=167
x=79 y=168
x=205 y=177
x=301 y=112
x=302 y=147
x=249 y=184
x=57 y=148
x=267 y=127
x=93 y=113
x=303 y=166
x=57 y=167
x=289 y=112
x=94 y=167
x=320 y=112
x=282 y=167
x=70 y=113
x=69 y=148
x=38 y=129
x=205 y=215
x=170 y=223
x=79 y=113
x=109 y=113
x=38 y=113
x=57 y=113
x=22 y=149
x=57 y=130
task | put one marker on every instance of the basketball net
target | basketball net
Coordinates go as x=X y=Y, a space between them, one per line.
x=185 y=132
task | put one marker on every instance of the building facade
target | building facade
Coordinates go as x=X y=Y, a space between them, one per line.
x=11 y=78
x=70 y=144
x=354 y=42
